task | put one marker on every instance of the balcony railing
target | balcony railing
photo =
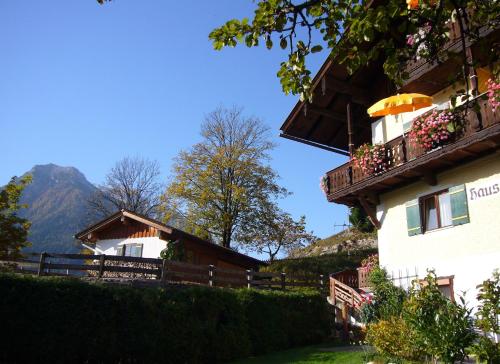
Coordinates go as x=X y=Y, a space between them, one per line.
x=478 y=117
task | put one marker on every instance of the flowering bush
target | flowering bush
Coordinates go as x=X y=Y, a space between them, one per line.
x=371 y=158
x=418 y=42
x=434 y=129
x=324 y=184
x=366 y=299
x=370 y=262
x=493 y=94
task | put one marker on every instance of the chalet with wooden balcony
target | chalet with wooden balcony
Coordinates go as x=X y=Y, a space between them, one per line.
x=435 y=206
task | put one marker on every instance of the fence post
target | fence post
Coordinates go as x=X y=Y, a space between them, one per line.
x=211 y=275
x=102 y=258
x=41 y=265
x=334 y=294
x=283 y=282
x=345 y=320
x=164 y=272
x=249 y=278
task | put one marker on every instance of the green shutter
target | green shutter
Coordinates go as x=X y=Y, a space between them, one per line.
x=413 y=220
x=459 y=208
x=407 y=125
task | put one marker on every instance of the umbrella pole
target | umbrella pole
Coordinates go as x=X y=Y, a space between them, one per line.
x=349 y=128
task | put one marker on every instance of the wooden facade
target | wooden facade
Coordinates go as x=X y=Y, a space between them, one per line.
x=128 y=226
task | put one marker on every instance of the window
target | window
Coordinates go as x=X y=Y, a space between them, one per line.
x=436 y=210
x=130 y=250
x=445 y=286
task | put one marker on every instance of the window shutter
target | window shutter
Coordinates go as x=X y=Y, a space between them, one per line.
x=139 y=250
x=413 y=220
x=459 y=208
x=407 y=125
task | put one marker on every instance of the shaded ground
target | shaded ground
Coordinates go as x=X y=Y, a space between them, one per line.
x=315 y=354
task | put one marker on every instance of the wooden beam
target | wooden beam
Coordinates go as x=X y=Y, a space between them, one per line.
x=325 y=112
x=313 y=127
x=373 y=197
x=427 y=176
x=468 y=152
x=370 y=211
x=314 y=144
x=358 y=94
x=490 y=143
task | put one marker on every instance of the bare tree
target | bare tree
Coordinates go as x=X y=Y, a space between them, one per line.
x=272 y=230
x=131 y=184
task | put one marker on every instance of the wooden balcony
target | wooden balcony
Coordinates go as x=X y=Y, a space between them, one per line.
x=406 y=164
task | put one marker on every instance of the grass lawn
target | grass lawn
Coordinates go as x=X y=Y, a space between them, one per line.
x=310 y=355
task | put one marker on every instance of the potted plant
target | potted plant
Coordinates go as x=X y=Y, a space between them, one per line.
x=370 y=158
x=493 y=94
x=434 y=129
x=324 y=184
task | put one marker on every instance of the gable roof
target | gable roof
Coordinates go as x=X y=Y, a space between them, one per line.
x=166 y=229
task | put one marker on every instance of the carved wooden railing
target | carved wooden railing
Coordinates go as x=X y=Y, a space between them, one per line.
x=363 y=274
x=342 y=293
x=400 y=150
x=348 y=277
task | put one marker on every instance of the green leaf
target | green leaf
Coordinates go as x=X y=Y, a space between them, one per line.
x=269 y=42
x=316 y=49
x=283 y=43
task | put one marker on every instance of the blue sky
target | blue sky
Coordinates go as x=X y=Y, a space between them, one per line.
x=84 y=85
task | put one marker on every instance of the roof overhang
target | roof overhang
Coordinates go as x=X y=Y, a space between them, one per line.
x=323 y=122
x=121 y=215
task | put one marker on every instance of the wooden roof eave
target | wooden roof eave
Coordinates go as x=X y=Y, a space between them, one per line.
x=82 y=235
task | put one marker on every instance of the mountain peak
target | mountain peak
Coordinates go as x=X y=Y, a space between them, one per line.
x=57 y=206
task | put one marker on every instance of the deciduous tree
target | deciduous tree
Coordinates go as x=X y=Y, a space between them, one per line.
x=358 y=32
x=224 y=179
x=359 y=220
x=13 y=229
x=275 y=231
x=132 y=184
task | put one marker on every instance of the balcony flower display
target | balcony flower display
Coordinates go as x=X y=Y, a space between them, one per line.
x=434 y=129
x=493 y=94
x=371 y=158
x=324 y=184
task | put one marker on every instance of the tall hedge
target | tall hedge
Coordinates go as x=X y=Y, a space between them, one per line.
x=60 y=320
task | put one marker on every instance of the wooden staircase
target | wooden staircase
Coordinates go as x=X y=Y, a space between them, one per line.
x=346 y=299
x=344 y=294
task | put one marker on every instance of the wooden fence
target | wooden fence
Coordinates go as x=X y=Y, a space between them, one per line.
x=109 y=267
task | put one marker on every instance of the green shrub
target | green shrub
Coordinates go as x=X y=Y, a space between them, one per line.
x=388 y=299
x=442 y=328
x=487 y=320
x=394 y=339
x=323 y=264
x=67 y=321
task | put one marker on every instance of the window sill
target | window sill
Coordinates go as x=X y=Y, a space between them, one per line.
x=438 y=229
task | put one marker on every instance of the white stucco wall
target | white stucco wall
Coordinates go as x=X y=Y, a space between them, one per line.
x=470 y=252
x=151 y=246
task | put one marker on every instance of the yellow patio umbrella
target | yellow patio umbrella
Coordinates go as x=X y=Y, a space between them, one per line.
x=399 y=103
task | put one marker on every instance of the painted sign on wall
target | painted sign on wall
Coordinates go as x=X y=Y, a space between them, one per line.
x=476 y=193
